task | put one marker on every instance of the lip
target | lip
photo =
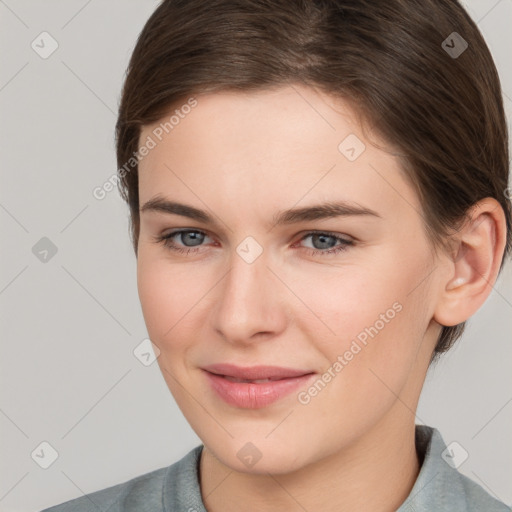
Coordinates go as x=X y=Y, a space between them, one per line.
x=254 y=395
x=255 y=372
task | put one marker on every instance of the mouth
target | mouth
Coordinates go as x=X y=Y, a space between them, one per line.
x=254 y=387
x=254 y=381
x=255 y=373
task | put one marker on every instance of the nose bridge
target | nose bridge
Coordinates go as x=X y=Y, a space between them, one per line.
x=248 y=303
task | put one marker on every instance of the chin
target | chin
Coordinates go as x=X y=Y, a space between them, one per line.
x=260 y=458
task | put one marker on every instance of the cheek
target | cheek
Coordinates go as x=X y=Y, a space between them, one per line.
x=175 y=301
x=163 y=295
x=371 y=324
x=344 y=302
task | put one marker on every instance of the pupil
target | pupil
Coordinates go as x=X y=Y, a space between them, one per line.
x=195 y=236
x=322 y=241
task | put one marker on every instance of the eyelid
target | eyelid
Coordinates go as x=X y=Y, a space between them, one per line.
x=171 y=234
x=175 y=231
x=334 y=234
x=300 y=236
x=343 y=242
x=346 y=241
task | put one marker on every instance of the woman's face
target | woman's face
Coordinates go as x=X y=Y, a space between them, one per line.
x=349 y=307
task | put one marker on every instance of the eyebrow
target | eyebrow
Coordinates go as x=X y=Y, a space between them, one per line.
x=326 y=210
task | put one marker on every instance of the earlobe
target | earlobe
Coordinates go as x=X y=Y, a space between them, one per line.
x=474 y=269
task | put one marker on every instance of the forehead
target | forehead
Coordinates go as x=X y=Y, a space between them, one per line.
x=290 y=114
x=277 y=146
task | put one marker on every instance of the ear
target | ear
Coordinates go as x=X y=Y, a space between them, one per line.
x=474 y=265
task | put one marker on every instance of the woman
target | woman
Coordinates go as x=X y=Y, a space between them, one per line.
x=318 y=199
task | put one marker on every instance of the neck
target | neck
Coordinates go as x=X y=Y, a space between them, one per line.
x=377 y=474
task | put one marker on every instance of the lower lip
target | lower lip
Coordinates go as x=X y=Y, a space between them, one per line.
x=249 y=395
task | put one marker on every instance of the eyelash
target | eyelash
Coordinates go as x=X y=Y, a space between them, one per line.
x=166 y=241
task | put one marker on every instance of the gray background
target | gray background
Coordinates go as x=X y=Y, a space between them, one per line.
x=69 y=325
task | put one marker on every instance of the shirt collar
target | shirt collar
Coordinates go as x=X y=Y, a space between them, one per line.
x=438 y=486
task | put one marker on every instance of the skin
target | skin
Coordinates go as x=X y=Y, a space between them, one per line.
x=244 y=157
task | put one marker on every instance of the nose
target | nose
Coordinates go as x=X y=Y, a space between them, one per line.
x=250 y=305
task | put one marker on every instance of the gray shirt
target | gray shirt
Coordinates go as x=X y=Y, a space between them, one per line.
x=439 y=487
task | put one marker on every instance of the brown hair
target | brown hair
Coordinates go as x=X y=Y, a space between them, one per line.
x=393 y=60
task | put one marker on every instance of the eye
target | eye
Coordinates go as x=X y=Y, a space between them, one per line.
x=187 y=236
x=325 y=243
